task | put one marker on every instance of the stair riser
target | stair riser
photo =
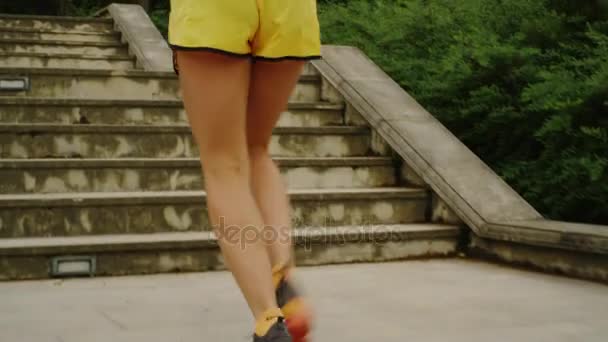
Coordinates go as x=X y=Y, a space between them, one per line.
x=99 y=51
x=166 y=145
x=100 y=179
x=72 y=37
x=129 y=87
x=309 y=69
x=208 y=259
x=75 y=63
x=123 y=115
x=185 y=216
x=57 y=25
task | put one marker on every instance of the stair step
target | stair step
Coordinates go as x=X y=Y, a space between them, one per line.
x=31 y=258
x=33 y=34
x=49 y=60
x=309 y=69
x=117 y=85
x=17 y=45
x=167 y=141
x=59 y=24
x=109 y=175
x=72 y=214
x=123 y=112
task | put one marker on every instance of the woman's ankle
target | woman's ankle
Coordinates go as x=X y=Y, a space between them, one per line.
x=266 y=319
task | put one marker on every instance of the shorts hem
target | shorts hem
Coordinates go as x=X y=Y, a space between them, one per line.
x=286 y=58
x=203 y=48
x=209 y=49
x=236 y=54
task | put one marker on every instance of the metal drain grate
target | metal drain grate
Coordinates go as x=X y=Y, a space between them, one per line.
x=73 y=266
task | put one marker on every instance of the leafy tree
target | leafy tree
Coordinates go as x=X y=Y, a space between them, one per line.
x=523 y=83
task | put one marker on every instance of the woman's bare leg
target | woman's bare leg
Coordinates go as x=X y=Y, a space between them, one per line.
x=270 y=87
x=215 y=91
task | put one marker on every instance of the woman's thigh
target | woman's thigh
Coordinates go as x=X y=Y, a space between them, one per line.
x=270 y=87
x=215 y=90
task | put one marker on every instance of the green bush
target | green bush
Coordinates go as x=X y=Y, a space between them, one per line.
x=159 y=14
x=523 y=83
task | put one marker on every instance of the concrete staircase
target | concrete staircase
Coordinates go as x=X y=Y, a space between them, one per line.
x=52 y=42
x=99 y=176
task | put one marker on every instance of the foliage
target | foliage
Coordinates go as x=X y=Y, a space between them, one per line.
x=83 y=8
x=160 y=15
x=523 y=83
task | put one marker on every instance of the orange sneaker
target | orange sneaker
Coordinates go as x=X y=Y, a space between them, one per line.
x=298 y=314
x=276 y=333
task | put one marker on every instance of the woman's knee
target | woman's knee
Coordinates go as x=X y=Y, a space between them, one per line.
x=258 y=151
x=225 y=167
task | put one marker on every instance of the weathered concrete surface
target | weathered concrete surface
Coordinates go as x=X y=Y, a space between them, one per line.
x=123 y=174
x=62 y=47
x=122 y=254
x=121 y=84
x=40 y=215
x=125 y=112
x=169 y=141
x=591 y=238
x=430 y=301
x=145 y=42
x=581 y=263
x=57 y=24
x=46 y=60
x=50 y=35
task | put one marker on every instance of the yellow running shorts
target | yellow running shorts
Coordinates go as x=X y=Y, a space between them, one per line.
x=262 y=29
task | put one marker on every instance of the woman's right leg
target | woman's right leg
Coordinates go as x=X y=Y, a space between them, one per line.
x=270 y=87
x=215 y=90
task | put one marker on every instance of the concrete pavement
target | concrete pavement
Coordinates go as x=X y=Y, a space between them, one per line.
x=435 y=300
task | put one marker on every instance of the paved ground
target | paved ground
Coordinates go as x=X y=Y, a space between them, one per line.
x=438 y=300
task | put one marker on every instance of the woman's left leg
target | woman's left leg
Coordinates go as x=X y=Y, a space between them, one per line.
x=215 y=90
x=271 y=84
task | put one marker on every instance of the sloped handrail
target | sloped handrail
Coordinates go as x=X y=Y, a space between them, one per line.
x=488 y=205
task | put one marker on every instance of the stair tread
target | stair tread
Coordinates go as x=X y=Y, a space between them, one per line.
x=133 y=197
x=167 y=128
x=53 y=18
x=59 y=42
x=54 y=101
x=62 y=55
x=54 y=31
x=108 y=73
x=201 y=239
x=165 y=162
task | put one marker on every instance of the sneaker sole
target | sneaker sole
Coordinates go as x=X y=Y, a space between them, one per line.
x=299 y=324
x=298 y=328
